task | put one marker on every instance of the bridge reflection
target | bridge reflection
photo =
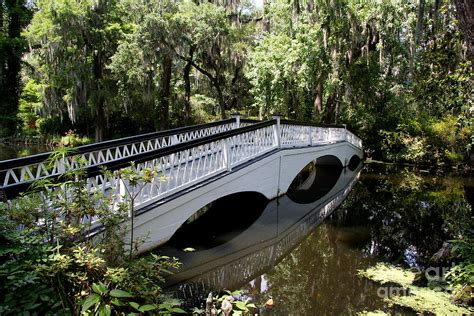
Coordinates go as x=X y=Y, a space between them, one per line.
x=282 y=224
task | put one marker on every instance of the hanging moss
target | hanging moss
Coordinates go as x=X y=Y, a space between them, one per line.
x=420 y=299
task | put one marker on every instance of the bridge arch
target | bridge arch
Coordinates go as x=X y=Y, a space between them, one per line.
x=220 y=220
x=314 y=181
x=329 y=160
x=354 y=162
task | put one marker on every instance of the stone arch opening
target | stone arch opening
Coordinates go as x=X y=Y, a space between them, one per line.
x=219 y=221
x=315 y=180
x=354 y=162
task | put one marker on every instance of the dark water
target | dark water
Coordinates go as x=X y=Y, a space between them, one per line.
x=305 y=252
x=16 y=151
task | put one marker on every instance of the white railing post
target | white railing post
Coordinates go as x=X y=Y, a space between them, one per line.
x=345 y=133
x=62 y=165
x=277 y=129
x=236 y=116
x=226 y=152
x=310 y=135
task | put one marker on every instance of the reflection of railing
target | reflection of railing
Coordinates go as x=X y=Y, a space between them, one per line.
x=246 y=268
x=196 y=155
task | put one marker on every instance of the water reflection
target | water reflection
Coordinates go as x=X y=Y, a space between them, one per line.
x=398 y=215
x=280 y=227
x=16 y=151
x=410 y=214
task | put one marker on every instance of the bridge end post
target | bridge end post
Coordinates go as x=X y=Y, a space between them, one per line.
x=276 y=129
x=236 y=116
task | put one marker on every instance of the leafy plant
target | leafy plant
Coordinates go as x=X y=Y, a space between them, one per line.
x=49 y=262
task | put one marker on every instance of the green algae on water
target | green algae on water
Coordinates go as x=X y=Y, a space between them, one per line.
x=372 y=313
x=420 y=299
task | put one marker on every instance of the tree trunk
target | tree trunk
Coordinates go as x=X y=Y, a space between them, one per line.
x=266 y=21
x=465 y=15
x=419 y=28
x=296 y=10
x=235 y=97
x=221 y=99
x=318 y=101
x=436 y=15
x=187 y=89
x=309 y=6
x=291 y=112
x=419 y=21
x=165 y=88
x=330 y=108
x=100 y=120
x=13 y=66
x=100 y=100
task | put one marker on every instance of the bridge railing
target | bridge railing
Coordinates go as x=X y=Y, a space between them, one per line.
x=180 y=165
x=39 y=166
x=295 y=133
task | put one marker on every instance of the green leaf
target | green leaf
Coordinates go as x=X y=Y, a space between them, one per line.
x=117 y=302
x=120 y=293
x=236 y=293
x=242 y=306
x=105 y=310
x=135 y=305
x=148 y=307
x=99 y=288
x=189 y=249
x=178 y=310
x=90 y=301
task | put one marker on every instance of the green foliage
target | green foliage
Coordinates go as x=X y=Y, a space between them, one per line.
x=14 y=16
x=229 y=303
x=427 y=141
x=461 y=276
x=30 y=106
x=51 y=265
x=71 y=139
x=136 y=66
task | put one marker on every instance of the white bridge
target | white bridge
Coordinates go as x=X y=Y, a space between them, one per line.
x=192 y=167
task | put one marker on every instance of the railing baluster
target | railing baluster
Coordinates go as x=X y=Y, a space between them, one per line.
x=277 y=130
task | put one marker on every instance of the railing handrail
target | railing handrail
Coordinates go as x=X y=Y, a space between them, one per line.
x=95 y=168
x=13 y=190
x=17 y=162
x=294 y=122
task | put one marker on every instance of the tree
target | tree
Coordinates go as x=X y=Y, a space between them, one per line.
x=144 y=60
x=73 y=42
x=14 y=16
x=465 y=15
x=215 y=48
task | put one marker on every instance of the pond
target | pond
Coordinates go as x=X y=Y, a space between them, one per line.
x=19 y=150
x=306 y=257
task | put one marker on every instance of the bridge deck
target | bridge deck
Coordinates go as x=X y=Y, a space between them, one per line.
x=195 y=155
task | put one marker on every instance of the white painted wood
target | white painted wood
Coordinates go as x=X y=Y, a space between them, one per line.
x=264 y=159
x=262 y=176
x=263 y=243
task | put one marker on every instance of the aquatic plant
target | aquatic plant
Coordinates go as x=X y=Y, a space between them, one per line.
x=420 y=299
